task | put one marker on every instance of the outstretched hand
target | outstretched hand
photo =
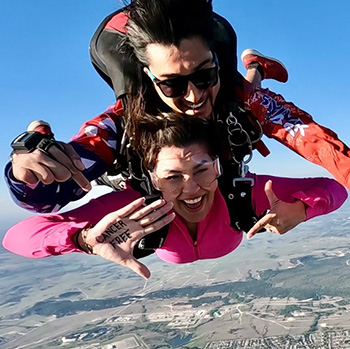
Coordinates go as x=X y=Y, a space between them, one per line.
x=282 y=216
x=114 y=236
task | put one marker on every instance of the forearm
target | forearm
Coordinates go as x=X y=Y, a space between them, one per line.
x=296 y=129
x=55 y=234
x=320 y=195
x=43 y=236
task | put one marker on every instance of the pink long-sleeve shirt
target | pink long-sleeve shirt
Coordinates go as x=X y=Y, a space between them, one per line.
x=50 y=235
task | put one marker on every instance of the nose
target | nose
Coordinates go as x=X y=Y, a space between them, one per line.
x=190 y=186
x=193 y=94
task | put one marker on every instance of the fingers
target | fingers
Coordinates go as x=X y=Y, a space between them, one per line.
x=261 y=223
x=123 y=258
x=159 y=224
x=66 y=156
x=130 y=208
x=270 y=193
x=82 y=181
x=25 y=175
x=29 y=168
x=37 y=166
x=73 y=156
x=148 y=209
x=152 y=212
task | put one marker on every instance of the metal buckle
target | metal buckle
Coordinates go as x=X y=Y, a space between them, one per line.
x=245 y=179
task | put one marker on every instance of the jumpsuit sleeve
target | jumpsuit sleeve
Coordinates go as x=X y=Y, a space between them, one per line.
x=320 y=195
x=296 y=129
x=51 y=235
x=96 y=143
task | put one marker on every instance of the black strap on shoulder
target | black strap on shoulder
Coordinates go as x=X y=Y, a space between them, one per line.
x=237 y=192
x=234 y=185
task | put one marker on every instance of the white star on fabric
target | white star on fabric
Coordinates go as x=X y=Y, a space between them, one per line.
x=293 y=129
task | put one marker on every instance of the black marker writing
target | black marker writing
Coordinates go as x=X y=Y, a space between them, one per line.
x=114 y=228
x=123 y=237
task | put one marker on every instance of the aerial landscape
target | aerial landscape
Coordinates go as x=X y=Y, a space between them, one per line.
x=288 y=291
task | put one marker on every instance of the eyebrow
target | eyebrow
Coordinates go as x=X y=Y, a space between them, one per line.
x=199 y=66
x=168 y=171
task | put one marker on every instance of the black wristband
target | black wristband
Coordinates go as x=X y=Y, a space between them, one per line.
x=28 y=141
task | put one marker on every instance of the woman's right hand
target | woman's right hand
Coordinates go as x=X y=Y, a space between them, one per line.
x=114 y=236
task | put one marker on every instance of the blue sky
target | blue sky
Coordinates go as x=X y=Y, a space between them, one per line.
x=46 y=72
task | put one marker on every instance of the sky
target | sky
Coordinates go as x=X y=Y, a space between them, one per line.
x=46 y=71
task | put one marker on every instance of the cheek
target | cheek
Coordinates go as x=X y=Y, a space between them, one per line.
x=213 y=187
x=169 y=198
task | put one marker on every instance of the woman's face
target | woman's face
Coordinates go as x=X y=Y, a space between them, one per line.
x=187 y=178
x=192 y=55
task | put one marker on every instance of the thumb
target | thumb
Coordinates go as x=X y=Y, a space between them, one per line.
x=138 y=268
x=270 y=193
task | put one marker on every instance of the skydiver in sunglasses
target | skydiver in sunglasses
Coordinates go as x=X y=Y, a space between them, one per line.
x=181 y=57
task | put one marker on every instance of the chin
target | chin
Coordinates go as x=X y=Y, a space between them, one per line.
x=194 y=218
x=204 y=112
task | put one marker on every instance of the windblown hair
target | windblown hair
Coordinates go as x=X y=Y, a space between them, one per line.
x=167 y=22
x=172 y=129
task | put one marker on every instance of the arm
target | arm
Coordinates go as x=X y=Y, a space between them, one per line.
x=296 y=129
x=293 y=200
x=96 y=144
x=118 y=225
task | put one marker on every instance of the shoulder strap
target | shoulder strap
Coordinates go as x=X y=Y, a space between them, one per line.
x=234 y=185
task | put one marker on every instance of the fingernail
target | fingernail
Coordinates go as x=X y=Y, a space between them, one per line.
x=87 y=187
x=79 y=165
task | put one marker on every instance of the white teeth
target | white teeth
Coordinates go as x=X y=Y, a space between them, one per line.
x=196 y=106
x=193 y=201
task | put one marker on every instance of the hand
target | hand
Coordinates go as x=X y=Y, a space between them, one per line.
x=114 y=236
x=62 y=164
x=282 y=217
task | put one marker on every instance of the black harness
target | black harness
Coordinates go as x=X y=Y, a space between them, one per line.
x=241 y=131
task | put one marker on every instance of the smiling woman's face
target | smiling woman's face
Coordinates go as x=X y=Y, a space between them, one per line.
x=190 y=56
x=181 y=168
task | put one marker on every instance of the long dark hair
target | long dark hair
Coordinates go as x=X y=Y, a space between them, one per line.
x=165 y=22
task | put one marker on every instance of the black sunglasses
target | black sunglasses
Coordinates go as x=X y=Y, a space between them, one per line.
x=176 y=87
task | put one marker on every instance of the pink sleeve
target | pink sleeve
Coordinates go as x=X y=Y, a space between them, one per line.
x=50 y=235
x=321 y=195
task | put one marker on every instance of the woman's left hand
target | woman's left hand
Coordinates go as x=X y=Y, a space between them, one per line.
x=115 y=236
x=282 y=217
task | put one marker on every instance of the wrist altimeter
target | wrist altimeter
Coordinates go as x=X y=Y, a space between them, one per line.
x=28 y=141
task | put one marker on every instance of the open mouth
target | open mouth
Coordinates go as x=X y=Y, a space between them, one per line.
x=197 y=106
x=193 y=203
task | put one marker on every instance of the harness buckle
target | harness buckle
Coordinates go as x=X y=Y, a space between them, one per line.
x=235 y=181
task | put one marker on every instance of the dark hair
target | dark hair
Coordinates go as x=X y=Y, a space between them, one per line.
x=167 y=22
x=172 y=129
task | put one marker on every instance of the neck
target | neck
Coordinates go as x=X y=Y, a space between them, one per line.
x=192 y=229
